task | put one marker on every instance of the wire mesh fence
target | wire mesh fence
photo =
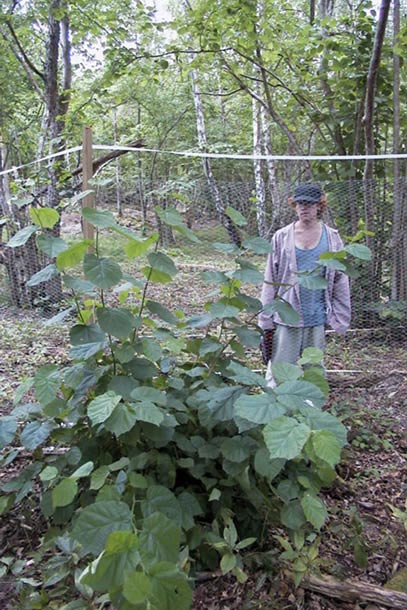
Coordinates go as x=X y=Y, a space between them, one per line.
x=377 y=210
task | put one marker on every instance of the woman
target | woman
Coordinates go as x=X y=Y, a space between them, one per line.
x=296 y=248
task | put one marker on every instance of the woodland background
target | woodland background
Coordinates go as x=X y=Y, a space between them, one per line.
x=220 y=77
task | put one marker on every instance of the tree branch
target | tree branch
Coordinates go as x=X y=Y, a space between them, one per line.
x=24 y=55
x=353 y=591
x=113 y=154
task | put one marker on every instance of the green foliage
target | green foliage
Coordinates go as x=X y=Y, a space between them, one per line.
x=168 y=460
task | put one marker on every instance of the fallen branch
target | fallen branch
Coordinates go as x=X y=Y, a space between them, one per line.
x=113 y=154
x=353 y=591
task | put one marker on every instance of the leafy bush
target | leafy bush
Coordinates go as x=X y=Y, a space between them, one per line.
x=170 y=455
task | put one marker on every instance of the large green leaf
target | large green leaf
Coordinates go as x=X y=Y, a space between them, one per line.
x=78 y=285
x=146 y=393
x=326 y=446
x=160 y=499
x=148 y=412
x=312 y=281
x=51 y=246
x=161 y=311
x=97 y=521
x=83 y=471
x=64 y=493
x=223 y=310
x=135 y=247
x=265 y=466
x=162 y=262
x=122 y=419
x=315 y=375
x=216 y=277
x=35 y=434
x=83 y=334
x=101 y=407
x=298 y=394
x=359 y=251
x=103 y=272
x=122 y=385
x=140 y=368
x=287 y=313
x=46 y=218
x=8 y=428
x=334 y=263
x=73 y=255
x=99 y=477
x=284 y=371
x=322 y=420
x=292 y=515
x=156 y=276
x=217 y=405
x=169 y=588
x=248 y=337
x=159 y=540
x=257 y=408
x=258 y=245
x=244 y=375
x=44 y=275
x=209 y=346
x=150 y=348
x=248 y=273
x=102 y=219
x=190 y=509
x=236 y=216
x=119 y=559
x=47 y=382
x=22 y=236
x=199 y=321
x=169 y=216
x=285 y=437
x=117 y=322
x=83 y=352
x=314 y=510
x=137 y=589
x=237 y=448
x=87 y=340
x=173 y=218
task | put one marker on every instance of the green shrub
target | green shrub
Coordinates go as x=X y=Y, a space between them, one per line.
x=170 y=455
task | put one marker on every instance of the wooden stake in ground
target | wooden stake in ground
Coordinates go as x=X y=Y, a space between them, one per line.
x=87 y=173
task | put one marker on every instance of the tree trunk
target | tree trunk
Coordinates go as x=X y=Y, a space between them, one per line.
x=370 y=147
x=368 y=119
x=202 y=141
x=258 y=172
x=354 y=591
x=118 y=168
x=399 y=230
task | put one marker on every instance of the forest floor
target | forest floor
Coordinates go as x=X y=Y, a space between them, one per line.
x=362 y=539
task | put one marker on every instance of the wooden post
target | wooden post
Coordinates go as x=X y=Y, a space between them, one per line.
x=87 y=174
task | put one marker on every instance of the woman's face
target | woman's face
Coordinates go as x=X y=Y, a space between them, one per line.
x=307 y=211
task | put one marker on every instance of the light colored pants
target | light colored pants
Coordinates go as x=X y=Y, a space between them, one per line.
x=289 y=342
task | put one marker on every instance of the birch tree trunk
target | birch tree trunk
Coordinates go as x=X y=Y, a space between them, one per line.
x=258 y=171
x=399 y=230
x=203 y=145
x=280 y=211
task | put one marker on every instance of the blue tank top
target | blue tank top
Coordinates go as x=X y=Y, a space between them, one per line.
x=312 y=301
